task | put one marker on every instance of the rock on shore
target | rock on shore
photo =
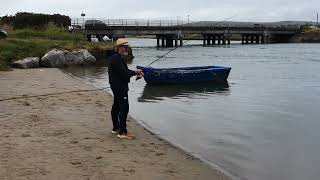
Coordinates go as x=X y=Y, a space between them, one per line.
x=59 y=58
x=31 y=62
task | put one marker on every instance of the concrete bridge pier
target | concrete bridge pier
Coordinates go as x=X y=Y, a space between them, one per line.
x=279 y=38
x=228 y=38
x=158 y=41
x=254 y=39
x=247 y=39
x=257 y=39
x=251 y=39
x=168 y=40
x=163 y=42
x=213 y=39
x=209 y=40
x=262 y=40
x=223 y=39
x=206 y=39
x=265 y=39
x=175 y=42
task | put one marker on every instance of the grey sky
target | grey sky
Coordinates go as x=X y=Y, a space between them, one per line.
x=247 y=10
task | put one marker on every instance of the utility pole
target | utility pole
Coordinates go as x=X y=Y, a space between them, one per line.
x=188 y=18
x=317 y=19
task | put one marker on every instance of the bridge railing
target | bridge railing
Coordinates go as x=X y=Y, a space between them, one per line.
x=128 y=22
x=80 y=23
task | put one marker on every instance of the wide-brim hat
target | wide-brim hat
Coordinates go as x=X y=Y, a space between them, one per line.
x=122 y=42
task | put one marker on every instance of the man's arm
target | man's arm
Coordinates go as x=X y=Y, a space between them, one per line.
x=122 y=71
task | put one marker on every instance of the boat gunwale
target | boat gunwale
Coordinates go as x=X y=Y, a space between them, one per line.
x=186 y=68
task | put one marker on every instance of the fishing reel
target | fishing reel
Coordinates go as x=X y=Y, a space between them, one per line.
x=138 y=77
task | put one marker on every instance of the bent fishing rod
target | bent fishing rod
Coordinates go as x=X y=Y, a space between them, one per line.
x=139 y=77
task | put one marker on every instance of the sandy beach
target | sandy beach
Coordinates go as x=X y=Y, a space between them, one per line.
x=63 y=132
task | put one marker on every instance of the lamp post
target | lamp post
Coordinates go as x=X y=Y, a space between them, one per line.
x=83 y=15
x=178 y=19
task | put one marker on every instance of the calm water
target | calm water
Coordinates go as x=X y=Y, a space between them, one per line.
x=262 y=125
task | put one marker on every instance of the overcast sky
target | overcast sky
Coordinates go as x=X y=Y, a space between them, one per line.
x=246 y=10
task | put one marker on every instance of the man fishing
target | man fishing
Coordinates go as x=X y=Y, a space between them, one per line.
x=119 y=77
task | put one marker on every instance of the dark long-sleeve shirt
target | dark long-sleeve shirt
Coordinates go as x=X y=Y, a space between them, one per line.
x=119 y=74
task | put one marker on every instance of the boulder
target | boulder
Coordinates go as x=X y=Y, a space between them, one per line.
x=53 y=58
x=80 y=57
x=30 y=62
x=88 y=57
x=58 y=58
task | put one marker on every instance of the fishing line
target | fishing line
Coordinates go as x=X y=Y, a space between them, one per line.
x=138 y=77
x=188 y=40
x=51 y=94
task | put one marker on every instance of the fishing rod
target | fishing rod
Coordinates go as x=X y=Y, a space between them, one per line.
x=189 y=40
x=183 y=43
x=164 y=54
x=225 y=19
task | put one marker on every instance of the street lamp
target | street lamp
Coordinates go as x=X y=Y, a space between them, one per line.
x=83 y=15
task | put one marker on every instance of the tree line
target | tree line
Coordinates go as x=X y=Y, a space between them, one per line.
x=35 y=20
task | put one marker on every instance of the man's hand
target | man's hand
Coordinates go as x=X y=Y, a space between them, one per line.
x=139 y=74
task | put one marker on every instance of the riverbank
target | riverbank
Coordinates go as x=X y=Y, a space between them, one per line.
x=307 y=37
x=67 y=135
x=24 y=43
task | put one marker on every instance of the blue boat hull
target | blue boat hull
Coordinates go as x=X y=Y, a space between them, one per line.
x=185 y=74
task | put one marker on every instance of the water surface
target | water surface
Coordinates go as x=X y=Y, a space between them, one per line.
x=262 y=125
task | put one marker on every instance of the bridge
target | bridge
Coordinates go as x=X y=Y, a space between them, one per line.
x=171 y=33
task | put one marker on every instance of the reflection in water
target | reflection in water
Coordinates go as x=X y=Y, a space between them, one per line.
x=157 y=93
x=96 y=71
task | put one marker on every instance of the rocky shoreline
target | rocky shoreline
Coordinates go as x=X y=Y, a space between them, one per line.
x=56 y=58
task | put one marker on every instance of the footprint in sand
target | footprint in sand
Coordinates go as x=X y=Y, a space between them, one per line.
x=75 y=163
x=26 y=103
x=25 y=135
x=74 y=142
x=99 y=157
x=159 y=154
x=129 y=170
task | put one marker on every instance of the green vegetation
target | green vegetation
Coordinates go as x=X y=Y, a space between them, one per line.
x=34 y=20
x=24 y=43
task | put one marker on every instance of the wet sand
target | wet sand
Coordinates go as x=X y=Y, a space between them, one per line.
x=66 y=135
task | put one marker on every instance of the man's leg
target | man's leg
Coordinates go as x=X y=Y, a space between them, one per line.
x=115 y=113
x=123 y=112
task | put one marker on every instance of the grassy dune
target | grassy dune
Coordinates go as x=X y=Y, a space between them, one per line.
x=28 y=42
